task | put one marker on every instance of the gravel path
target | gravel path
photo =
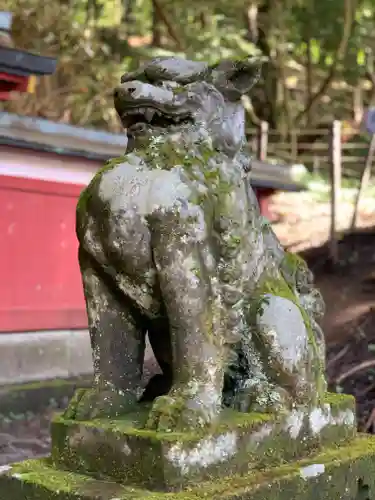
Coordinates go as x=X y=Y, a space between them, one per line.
x=26 y=437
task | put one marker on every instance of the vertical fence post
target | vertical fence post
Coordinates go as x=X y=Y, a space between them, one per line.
x=365 y=177
x=254 y=143
x=262 y=141
x=294 y=145
x=316 y=164
x=335 y=169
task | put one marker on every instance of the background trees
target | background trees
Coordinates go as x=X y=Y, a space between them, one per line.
x=319 y=54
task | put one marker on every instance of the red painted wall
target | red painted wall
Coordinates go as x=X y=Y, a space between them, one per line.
x=263 y=195
x=40 y=281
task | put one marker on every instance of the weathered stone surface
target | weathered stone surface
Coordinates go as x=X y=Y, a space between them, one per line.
x=127 y=452
x=172 y=243
x=347 y=472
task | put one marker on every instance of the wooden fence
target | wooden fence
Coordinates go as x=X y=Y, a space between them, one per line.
x=330 y=149
x=312 y=147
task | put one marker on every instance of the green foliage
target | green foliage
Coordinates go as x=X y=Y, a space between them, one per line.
x=81 y=90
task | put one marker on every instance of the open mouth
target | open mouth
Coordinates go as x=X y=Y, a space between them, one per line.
x=153 y=117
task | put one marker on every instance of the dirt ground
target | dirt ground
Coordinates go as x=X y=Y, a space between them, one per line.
x=302 y=225
x=349 y=290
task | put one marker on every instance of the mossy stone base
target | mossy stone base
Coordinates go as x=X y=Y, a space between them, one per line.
x=337 y=472
x=122 y=450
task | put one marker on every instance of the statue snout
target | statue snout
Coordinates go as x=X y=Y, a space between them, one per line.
x=136 y=91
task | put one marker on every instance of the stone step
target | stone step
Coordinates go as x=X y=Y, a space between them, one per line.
x=127 y=453
x=345 y=471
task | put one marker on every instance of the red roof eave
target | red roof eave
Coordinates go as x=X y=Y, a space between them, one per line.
x=12 y=83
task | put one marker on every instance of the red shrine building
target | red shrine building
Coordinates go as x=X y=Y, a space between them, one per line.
x=43 y=168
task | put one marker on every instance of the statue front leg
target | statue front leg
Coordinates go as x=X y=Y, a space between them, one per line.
x=118 y=344
x=197 y=344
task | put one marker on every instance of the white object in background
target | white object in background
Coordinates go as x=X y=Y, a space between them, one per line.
x=6 y=20
x=298 y=172
x=370 y=120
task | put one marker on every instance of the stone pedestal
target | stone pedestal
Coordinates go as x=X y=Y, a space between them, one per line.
x=345 y=472
x=314 y=455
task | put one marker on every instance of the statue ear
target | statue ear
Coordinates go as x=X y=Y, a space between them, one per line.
x=236 y=78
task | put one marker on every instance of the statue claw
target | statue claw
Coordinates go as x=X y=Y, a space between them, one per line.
x=178 y=412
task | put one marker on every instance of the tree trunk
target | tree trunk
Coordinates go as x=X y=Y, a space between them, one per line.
x=127 y=18
x=156 y=26
x=204 y=19
x=309 y=81
x=256 y=22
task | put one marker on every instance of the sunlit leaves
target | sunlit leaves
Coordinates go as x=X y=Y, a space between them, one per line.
x=361 y=57
x=315 y=50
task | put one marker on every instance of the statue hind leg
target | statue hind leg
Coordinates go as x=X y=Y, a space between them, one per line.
x=118 y=342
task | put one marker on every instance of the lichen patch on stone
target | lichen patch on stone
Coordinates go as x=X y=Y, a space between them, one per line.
x=321 y=417
x=258 y=436
x=4 y=468
x=207 y=452
x=346 y=417
x=312 y=470
x=126 y=449
x=294 y=423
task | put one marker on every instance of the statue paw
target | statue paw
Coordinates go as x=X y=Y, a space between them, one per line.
x=262 y=398
x=88 y=404
x=179 y=412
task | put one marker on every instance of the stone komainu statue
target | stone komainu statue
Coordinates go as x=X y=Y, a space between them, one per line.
x=172 y=244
